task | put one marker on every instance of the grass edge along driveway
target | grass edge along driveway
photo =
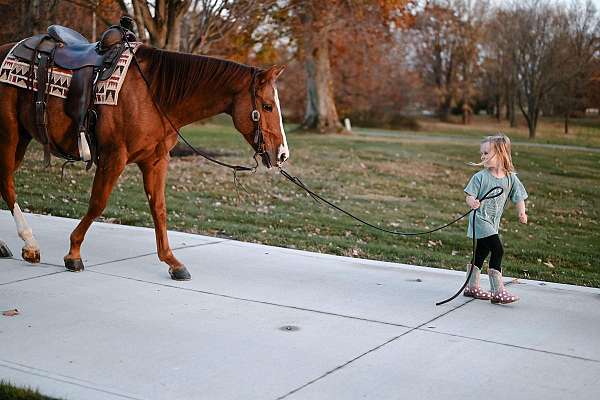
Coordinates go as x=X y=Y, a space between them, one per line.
x=397 y=182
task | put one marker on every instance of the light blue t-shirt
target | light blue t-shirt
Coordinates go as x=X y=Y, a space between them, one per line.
x=487 y=220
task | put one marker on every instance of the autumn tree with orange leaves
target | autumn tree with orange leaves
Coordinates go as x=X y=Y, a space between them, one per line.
x=314 y=25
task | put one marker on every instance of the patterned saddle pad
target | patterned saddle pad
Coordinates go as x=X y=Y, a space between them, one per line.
x=16 y=72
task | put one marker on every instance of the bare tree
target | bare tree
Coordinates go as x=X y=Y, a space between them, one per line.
x=472 y=16
x=159 y=22
x=499 y=67
x=550 y=48
x=22 y=18
x=210 y=21
x=582 y=43
x=449 y=33
x=437 y=51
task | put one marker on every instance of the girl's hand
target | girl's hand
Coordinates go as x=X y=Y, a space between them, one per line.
x=473 y=202
x=523 y=218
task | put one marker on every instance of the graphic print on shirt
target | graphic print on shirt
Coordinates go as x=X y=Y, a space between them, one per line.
x=492 y=207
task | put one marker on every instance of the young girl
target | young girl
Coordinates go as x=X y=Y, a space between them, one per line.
x=498 y=171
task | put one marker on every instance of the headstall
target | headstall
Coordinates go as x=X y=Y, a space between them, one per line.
x=259 y=142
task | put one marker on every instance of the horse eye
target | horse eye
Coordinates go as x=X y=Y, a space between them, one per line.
x=267 y=107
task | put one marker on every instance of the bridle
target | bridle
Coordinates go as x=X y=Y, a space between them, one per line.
x=259 y=140
x=254 y=115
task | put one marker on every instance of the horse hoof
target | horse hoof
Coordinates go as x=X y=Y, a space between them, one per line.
x=74 y=264
x=4 y=250
x=180 y=274
x=30 y=255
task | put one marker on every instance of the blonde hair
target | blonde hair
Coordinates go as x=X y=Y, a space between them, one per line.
x=500 y=147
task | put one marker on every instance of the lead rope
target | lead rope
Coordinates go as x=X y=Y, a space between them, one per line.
x=486 y=196
x=258 y=140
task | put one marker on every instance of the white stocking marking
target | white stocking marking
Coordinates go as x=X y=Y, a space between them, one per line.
x=23 y=229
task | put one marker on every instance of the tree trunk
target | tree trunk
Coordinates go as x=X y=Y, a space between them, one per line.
x=444 y=109
x=311 y=114
x=321 y=112
x=507 y=102
x=512 y=111
x=533 y=121
x=531 y=125
x=531 y=114
x=467 y=113
x=498 y=107
x=164 y=26
x=567 y=122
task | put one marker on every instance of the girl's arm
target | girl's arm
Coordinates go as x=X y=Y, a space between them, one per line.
x=521 y=211
x=472 y=202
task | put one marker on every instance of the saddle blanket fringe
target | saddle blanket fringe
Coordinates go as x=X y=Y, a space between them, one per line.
x=16 y=72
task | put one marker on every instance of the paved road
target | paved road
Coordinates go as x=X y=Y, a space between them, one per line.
x=260 y=322
x=462 y=139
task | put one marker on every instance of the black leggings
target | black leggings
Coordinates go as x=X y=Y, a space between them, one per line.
x=487 y=245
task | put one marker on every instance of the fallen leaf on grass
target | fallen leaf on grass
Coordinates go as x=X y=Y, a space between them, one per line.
x=549 y=264
x=10 y=313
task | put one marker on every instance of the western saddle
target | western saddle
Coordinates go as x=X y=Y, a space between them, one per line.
x=90 y=63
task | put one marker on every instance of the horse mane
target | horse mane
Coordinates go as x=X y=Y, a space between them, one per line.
x=171 y=74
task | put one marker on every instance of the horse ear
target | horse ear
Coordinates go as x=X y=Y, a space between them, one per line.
x=276 y=71
x=271 y=74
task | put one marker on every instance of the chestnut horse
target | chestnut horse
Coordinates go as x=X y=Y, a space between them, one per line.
x=172 y=90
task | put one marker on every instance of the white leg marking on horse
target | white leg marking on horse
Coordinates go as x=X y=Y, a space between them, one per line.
x=283 y=149
x=23 y=229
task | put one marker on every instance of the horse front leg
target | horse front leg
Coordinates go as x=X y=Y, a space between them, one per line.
x=154 y=171
x=107 y=173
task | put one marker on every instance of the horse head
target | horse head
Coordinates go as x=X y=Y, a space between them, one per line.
x=257 y=115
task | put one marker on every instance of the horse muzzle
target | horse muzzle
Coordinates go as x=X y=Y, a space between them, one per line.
x=264 y=157
x=282 y=155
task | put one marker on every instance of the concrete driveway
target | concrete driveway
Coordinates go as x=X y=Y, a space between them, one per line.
x=261 y=322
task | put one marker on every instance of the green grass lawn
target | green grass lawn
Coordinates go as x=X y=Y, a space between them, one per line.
x=398 y=183
x=10 y=392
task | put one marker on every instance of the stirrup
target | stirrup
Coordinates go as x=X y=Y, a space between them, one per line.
x=84 y=148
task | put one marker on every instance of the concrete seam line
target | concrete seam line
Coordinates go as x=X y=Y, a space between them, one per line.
x=31 y=278
x=25 y=367
x=339 y=367
x=40 y=264
x=153 y=252
x=45 y=374
x=554 y=353
x=254 y=301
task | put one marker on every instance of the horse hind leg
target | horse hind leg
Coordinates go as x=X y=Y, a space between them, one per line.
x=12 y=151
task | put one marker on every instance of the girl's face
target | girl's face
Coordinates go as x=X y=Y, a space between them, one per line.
x=487 y=155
